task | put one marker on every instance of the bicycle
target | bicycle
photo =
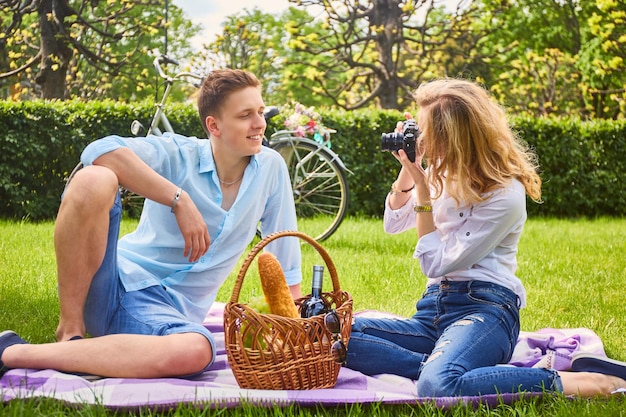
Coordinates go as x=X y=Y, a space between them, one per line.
x=317 y=173
x=318 y=179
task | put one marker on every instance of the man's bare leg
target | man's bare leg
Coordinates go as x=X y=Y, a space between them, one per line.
x=80 y=238
x=118 y=355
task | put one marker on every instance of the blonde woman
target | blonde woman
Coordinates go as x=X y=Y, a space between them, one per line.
x=468 y=208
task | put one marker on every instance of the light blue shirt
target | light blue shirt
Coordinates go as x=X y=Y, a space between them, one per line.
x=153 y=253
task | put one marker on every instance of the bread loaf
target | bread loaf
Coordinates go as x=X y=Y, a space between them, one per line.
x=275 y=287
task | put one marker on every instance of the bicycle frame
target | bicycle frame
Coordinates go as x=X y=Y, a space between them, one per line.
x=159 y=118
x=287 y=136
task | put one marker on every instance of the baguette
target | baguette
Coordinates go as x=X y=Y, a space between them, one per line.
x=275 y=287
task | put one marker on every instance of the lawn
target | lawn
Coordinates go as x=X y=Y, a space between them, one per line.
x=573 y=271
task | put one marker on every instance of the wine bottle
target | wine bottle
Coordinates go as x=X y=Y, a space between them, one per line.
x=315 y=304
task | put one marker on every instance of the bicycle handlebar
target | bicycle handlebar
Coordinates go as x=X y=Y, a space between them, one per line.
x=159 y=60
x=162 y=59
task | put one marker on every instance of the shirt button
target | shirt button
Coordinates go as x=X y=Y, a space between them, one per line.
x=467 y=233
x=461 y=214
x=203 y=260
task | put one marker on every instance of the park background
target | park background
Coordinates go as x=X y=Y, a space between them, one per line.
x=73 y=71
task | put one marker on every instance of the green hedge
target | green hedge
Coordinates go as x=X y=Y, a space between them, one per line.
x=583 y=163
x=40 y=144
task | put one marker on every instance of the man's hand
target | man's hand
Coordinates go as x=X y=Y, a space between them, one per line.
x=193 y=228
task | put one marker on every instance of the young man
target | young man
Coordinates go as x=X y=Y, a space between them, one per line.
x=143 y=299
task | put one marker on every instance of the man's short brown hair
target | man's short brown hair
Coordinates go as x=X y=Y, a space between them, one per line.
x=216 y=88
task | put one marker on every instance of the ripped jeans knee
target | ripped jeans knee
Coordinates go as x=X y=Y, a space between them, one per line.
x=482 y=338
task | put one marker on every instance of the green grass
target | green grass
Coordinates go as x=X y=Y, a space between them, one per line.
x=573 y=271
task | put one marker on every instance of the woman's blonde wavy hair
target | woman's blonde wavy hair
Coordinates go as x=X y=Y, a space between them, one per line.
x=470 y=148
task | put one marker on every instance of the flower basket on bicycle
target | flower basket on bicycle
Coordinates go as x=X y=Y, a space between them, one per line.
x=267 y=351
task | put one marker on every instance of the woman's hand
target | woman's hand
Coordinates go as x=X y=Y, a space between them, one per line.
x=415 y=169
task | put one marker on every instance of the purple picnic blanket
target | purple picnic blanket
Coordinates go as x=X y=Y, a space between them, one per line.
x=217 y=387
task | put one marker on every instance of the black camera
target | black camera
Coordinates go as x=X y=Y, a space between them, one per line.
x=407 y=139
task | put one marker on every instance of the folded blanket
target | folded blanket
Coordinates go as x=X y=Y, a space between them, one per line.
x=217 y=387
x=554 y=348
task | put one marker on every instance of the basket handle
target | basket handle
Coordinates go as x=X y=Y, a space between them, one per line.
x=234 y=298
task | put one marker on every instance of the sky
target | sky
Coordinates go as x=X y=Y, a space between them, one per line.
x=212 y=13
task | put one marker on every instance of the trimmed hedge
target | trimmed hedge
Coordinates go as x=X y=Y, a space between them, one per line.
x=583 y=163
x=41 y=142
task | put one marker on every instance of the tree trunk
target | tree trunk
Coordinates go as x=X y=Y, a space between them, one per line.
x=387 y=14
x=56 y=54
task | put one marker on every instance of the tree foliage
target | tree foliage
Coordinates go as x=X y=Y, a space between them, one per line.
x=558 y=58
x=602 y=60
x=60 y=49
x=376 y=52
x=539 y=57
x=260 y=43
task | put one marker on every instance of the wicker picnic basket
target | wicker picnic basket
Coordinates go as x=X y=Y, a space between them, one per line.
x=267 y=351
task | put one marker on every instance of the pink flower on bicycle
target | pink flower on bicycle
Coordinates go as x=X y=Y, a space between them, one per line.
x=299 y=131
x=304 y=121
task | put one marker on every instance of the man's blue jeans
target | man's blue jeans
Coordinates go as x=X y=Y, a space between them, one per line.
x=111 y=309
x=451 y=346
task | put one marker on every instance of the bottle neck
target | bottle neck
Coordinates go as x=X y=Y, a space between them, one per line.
x=318 y=277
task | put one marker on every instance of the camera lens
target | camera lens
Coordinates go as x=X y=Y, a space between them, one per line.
x=392 y=141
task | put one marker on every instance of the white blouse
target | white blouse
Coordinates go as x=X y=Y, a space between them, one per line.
x=471 y=242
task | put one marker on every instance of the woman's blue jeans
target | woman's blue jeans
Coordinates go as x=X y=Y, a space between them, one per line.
x=452 y=344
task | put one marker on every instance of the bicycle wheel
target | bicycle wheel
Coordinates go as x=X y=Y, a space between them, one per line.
x=132 y=204
x=320 y=188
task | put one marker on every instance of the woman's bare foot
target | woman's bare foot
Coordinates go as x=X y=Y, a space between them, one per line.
x=590 y=384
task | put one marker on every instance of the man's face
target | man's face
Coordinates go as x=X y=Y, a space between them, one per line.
x=240 y=126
